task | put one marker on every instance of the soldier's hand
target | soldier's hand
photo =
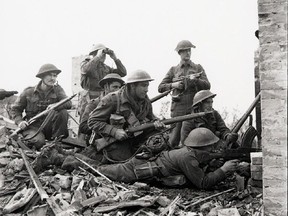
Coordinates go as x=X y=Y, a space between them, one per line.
x=23 y=125
x=159 y=125
x=232 y=137
x=111 y=54
x=194 y=76
x=100 y=53
x=120 y=134
x=216 y=163
x=178 y=85
x=230 y=166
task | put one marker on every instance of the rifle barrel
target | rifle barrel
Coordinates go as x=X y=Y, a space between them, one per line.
x=167 y=121
x=163 y=94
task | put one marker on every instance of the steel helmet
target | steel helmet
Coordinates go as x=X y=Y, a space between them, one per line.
x=201 y=96
x=111 y=78
x=47 y=68
x=184 y=44
x=96 y=47
x=138 y=76
x=200 y=137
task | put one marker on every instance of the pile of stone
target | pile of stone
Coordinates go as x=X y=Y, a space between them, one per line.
x=84 y=192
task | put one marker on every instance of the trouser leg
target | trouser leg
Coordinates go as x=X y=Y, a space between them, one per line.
x=174 y=137
x=57 y=126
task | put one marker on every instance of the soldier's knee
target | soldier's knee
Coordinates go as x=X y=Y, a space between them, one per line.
x=34 y=140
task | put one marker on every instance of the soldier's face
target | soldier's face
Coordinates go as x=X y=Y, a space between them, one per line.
x=207 y=105
x=50 y=79
x=141 y=89
x=185 y=55
x=114 y=86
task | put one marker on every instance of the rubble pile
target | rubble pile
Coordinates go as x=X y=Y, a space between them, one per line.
x=83 y=192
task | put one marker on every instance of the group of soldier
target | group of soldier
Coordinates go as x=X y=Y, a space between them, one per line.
x=110 y=106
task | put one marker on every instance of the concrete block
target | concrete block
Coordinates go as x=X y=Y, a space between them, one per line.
x=256 y=183
x=274 y=208
x=256 y=175
x=256 y=168
x=275 y=183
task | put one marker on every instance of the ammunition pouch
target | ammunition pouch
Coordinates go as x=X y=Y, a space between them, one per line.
x=146 y=170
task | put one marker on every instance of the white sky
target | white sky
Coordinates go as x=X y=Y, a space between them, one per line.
x=143 y=35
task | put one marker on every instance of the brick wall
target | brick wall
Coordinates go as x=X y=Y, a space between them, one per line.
x=273 y=77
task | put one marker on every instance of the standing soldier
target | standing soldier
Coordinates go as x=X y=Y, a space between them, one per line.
x=110 y=83
x=35 y=100
x=128 y=107
x=184 y=80
x=202 y=102
x=93 y=69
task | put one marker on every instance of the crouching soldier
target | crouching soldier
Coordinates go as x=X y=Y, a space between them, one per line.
x=128 y=107
x=34 y=100
x=187 y=161
x=202 y=102
x=110 y=83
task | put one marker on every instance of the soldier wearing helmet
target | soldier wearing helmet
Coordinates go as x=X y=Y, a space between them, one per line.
x=202 y=102
x=185 y=163
x=34 y=100
x=93 y=69
x=127 y=107
x=184 y=80
x=110 y=83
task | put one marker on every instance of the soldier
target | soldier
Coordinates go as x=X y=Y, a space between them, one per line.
x=128 y=107
x=34 y=100
x=202 y=102
x=187 y=161
x=110 y=83
x=93 y=69
x=184 y=80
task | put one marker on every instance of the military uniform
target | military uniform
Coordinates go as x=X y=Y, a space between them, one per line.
x=187 y=161
x=92 y=104
x=122 y=105
x=213 y=122
x=92 y=71
x=34 y=101
x=183 y=104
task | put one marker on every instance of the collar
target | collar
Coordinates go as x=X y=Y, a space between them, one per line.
x=37 y=88
x=186 y=63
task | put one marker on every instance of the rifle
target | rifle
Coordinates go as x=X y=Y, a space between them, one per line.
x=4 y=94
x=106 y=141
x=163 y=94
x=242 y=120
x=43 y=113
x=243 y=154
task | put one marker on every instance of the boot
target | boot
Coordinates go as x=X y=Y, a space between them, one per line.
x=70 y=163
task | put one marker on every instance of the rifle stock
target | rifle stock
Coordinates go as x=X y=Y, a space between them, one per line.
x=106 y=141
x=43 y=113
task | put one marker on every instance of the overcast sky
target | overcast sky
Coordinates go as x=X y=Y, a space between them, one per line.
x=143 y=35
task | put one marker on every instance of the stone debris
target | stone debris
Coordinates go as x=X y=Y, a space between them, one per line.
x=83 y=192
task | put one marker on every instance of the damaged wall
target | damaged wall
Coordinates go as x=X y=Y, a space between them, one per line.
x=273 y=77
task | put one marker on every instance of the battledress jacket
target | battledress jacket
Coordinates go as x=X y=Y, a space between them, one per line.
x=99 y=119
x=92 y=104
x=93 y=70
x=184 y=105
x=185 y=161
x=213 y=122
x=34 y=101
